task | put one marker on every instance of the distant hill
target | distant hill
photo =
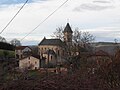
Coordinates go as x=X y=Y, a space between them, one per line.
x=109 y=47
x=104 y=43
x=6 y=46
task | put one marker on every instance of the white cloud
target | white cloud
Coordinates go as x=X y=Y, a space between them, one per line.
x=89 y=6
x=105 y=33
x=100 y=21
x=102 y=1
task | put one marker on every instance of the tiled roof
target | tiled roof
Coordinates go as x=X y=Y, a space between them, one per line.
x=68 y=29
x=57 y=42
x=35 y=56
x=21 y=47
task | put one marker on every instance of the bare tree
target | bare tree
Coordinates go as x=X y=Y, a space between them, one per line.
x=15 y=42
x=87 y=38
x=77 y=36
x=2 y=39
x=80 y=39
x=86 y=41
x=116 y=41
x=58 y=33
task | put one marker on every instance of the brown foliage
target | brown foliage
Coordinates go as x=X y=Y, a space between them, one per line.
x=80 y=80
x=106 y=77
x=110 y=73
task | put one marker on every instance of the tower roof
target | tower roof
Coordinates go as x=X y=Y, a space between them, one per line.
x=68 y=29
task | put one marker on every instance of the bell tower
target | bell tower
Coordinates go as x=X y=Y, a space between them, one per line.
x=68 y=34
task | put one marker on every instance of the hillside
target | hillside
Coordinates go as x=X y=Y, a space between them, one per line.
x=6 y=46
x=104 y=43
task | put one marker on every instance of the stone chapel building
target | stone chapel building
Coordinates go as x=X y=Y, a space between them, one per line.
x=54 y=51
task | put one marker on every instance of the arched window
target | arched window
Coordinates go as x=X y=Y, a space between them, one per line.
x=63 y=52
x=58 y=52
x=51 y=57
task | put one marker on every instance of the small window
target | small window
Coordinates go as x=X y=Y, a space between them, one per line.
x=29 y=58
x=35 y=68
x=58 y=52
x=29 y=62
x=51 y=57
x=35 y=62
x=45 y=48
x=63 y=52
x=21 y=56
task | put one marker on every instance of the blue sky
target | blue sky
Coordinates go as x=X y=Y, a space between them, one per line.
x=12 y=1
x=9 y=2
x=99 y=17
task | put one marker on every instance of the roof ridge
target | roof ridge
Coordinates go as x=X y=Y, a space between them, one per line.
x=51 y=42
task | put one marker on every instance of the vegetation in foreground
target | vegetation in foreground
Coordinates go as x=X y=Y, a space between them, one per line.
x=80 y=76
x=7 y=54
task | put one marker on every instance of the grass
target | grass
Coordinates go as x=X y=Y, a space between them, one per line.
x=9 y=53
x=35 y=74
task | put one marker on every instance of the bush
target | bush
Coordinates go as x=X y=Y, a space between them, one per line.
x=7 y=54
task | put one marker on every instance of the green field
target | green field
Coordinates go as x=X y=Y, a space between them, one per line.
x=7 y=53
